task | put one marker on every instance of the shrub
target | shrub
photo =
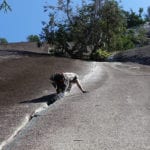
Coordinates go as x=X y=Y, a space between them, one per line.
x=33 y=38
x=3 y=41
x=100 y=55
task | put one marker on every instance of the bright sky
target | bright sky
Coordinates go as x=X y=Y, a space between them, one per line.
x=27 y=15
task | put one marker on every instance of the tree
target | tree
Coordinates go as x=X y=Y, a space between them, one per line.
x=112 y=24
x=134 y=19
x=148 y=14
x=5 y=6
x=140 y=37
x=48 y=31
x=3 y=41
x=100 y=24
x=33 y=38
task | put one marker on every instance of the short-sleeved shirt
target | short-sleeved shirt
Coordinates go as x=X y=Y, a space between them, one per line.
x=63 y=80
x=70 y=76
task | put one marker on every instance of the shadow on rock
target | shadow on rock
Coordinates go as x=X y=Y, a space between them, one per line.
x=49 y=99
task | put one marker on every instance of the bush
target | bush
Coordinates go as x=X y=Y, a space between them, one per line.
x=33 y=38
x=100 y=55
x=3 y=41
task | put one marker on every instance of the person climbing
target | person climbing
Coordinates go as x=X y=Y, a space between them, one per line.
x=63 y=82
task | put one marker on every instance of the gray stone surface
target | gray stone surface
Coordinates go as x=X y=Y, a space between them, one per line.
x=114 y=115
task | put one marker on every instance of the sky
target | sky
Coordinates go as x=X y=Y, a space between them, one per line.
x=26 y=17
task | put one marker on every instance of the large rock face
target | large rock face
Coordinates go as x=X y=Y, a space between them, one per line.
x=26 y=46
x=138 y=55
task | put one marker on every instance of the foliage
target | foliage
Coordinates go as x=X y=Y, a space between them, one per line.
x=125 y=42
x=5 y=6
x=100 y=24
x=100 y=55
x=112 y=24
x=33 y=38
x=147 y=16
x=134 y=19
x=3 y=41
x=140 y=37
